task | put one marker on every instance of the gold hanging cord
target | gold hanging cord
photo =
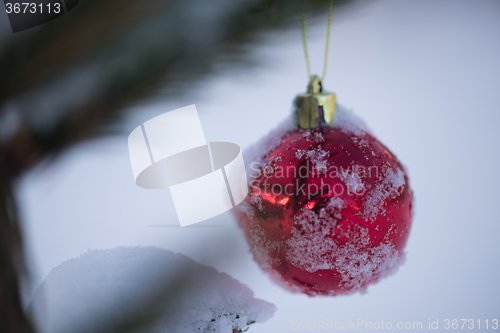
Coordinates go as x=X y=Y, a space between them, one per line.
x=304 y=40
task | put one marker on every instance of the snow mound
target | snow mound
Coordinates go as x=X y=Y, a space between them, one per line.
x=151 y=289
x=346 y=121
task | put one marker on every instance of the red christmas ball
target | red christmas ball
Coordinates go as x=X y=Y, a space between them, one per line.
x=329 y=208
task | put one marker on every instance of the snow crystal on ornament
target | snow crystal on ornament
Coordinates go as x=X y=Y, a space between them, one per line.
x=359 y=263
x=351 y=177
x=319 y=158
x=299 y=153
x=170 y=292
x=311 y=248
x=315 y=249
x=391 y=186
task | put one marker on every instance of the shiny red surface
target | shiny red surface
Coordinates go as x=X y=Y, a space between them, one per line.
x=276 y=199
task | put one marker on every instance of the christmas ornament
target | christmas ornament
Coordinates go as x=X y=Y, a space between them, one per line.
x=329 y=207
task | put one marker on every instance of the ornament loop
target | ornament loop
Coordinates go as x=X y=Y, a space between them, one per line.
x=315 y=86
x=316 y=106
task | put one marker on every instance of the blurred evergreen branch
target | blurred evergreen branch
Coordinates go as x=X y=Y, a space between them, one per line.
x=64 y=81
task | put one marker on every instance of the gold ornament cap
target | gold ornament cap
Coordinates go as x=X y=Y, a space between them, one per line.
x=316 y=106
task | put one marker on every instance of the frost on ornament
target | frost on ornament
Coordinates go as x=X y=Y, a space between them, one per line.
x=329 y=208
x=151 y=289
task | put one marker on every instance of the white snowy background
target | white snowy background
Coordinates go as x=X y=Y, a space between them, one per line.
x=424 y=75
